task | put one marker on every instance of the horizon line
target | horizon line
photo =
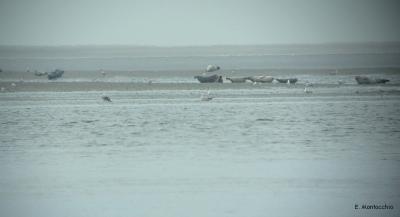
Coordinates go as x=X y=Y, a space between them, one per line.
x=205 y=45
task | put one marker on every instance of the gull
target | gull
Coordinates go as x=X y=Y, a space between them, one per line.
x=307 y=90
x=206 y=96
x=106 y=98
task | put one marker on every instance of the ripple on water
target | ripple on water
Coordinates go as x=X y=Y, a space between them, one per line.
x=287 y=125
x=264 y=119
x=69 y=124
x=89 y=121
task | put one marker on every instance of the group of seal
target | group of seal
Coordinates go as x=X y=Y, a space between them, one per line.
x=255 y=79
x=58 y=73
x=268 y=79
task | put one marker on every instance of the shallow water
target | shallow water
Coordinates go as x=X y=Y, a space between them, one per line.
x=319 y=126
x=248 y=152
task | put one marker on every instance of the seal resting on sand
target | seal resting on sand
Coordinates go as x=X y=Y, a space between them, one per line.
x=39 y=73
x=55 y=74
x=366 y=80
x=237 y=80
x=209 y=79
x=261 y=79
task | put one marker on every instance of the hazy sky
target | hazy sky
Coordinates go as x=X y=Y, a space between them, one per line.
x=197 y=22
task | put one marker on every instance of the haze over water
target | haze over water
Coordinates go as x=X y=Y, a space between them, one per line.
x=324 y=146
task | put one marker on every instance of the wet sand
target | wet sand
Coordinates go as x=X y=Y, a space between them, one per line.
x=222 y=90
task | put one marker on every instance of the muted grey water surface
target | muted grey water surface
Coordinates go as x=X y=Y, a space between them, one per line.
x=166 y=153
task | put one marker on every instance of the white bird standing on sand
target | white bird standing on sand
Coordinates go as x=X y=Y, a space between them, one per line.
x=106 y=98
x=307 y=90
x=3 y=89
x=206 y=96
x=13 y=85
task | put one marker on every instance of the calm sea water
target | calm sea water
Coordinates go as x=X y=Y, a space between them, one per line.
x=324 y=56
x=166 y=153
x=270 y=150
